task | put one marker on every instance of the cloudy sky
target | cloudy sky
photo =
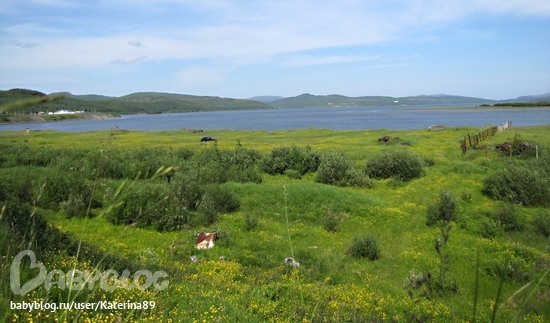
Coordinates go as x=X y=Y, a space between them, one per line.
x=494 y=49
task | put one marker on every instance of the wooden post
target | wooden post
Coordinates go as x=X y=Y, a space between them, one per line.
x=537 y=151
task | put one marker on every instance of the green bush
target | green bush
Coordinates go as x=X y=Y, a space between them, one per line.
x=55 y=186
x=398 y=164
x=300 y=159
x=250 y=222
x=143 y=205
x=173 y=219
x=17 y=183
x=74 y=206
x=524 y=183
x=506 y=216
x=331 y=221
x=490 y=229
x=541 y=222
x=218 y=166
x=218 y=199
x=338 y=169
x=365 y=247
x=442 y=211
x=187 y=189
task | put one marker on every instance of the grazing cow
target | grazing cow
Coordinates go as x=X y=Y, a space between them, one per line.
x=291 y=262
x=205 y=240
x=384 y=139
x=205 y=139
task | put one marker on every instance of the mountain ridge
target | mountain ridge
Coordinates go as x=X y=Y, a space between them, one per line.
x=164 y=102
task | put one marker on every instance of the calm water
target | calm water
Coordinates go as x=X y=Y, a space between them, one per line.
x=409 y=117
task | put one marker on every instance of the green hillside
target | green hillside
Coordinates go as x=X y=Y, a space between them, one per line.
x=146 y=102
x=309 y=100
x=404 y=230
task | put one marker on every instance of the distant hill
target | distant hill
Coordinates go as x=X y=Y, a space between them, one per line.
x=266 y=98
x=158 y=102
x=144 y=102
x=532 y=98
x=334 y=100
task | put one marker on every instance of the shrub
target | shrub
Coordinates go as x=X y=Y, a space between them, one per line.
x=219 y=166
x=365 y=247
x=74 y=206
x=331 y=221
x=338 y=169
x=490 y=229
x=541 y=222
x=174 y=219
x=399 y=164
x=250 y=222
x=294 y=174
x=56 y=186
x=218 y=199
x=187 y=189
x=300 y=159
x=143 y=205
x=442 y=211
x=506 y=216
x=521 y=183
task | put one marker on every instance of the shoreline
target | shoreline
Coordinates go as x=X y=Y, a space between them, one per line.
x=36 y=118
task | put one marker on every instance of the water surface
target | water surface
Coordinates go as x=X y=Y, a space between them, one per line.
x=358 y=118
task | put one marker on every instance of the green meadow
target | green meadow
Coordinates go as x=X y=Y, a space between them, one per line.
x=456 y=237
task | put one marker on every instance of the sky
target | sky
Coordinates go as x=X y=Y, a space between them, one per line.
x=495 y=49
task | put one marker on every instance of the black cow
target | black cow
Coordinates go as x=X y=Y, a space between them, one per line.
x=205 y=139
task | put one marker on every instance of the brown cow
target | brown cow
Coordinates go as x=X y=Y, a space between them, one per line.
x=384 y=139
x=205 y=240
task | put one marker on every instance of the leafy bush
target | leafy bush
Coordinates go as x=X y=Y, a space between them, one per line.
x=219 y=166
x=331 y=221
x=176 y=219
x=300 y=159
x=17 y=184
x=442 y=211
x=526 y=183
x=338 y=169
x=506 y=216
x=218 y=199
x=143 y=204
x=250 y=222
x=518 y=264
x=490 y=229
x=55 y=186
x=541 y=222
x=74 y=206
x=187 y=189
x=398 y=164
x=365 y=247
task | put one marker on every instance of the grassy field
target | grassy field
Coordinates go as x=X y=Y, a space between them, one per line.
x=484 y=271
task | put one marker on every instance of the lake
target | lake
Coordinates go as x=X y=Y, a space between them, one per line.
x=357 y=118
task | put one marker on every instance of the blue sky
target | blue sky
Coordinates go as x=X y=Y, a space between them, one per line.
x=494 y=49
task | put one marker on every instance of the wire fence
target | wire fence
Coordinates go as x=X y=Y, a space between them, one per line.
x=473 y=141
